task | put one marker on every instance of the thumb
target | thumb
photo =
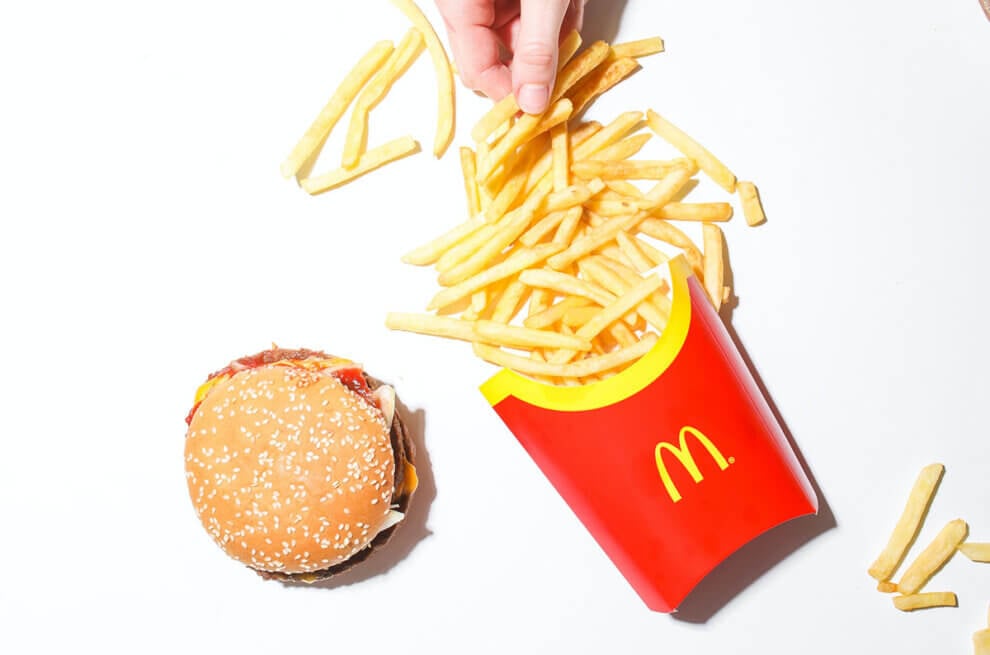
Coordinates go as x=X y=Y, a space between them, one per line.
x=534 y=57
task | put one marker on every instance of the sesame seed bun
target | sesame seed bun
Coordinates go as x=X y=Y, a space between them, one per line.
x=293 y=466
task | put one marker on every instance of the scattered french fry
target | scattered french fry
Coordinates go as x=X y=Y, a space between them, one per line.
x=906 y=530
x=933 y=557
x=714 y=268
x=690 y=148
x=311 y=142
x=978 y=552
x=749 y=196
x=707 y=212
x=445 y=75
x=981 y=640
x=640 y=48
x=369 y=161
x=357 y=133
x=912 y=602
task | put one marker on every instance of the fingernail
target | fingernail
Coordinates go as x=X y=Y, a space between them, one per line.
x=533 y=98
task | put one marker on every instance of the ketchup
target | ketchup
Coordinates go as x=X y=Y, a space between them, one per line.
x=351 y=377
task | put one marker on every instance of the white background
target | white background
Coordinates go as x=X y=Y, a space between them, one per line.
x=147 y=239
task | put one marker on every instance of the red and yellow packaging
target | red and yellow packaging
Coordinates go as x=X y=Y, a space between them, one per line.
x=671 y=465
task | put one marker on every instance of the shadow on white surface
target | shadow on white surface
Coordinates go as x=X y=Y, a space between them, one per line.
x=601 y=21
x=750 y=562
x=414 y=526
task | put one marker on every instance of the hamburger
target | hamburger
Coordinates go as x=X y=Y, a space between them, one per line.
x=297 y=463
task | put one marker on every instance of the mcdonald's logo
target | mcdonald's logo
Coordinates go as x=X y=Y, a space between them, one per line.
x=686 y=459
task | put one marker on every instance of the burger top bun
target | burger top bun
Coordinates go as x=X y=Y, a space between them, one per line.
x=288 y=469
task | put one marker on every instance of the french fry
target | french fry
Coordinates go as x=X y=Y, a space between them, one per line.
x=625 y=188
x=578 y=67
x=561 y=158
x=305 y=150
x=608 y=135
x=693 y=150
x=912 y=602
x=578 y=316
x=566 y=285
x=516 y=262
x=479 y=300
x=620 y=150
x=886 y=587
x=607 y=231
x=546 y=225
x=542 y=168
x=466 y=247
x=622 y=334
x=569 y=226
x=981 y=640
x=445 y=75
x=640 y=48
x=508 y=194
x=438 y=326
x=568 y=47
x=615 y=169
x=509 y=302
x=749 y=196
x=581 y=368
x=978 y=552
x=554 y=312
x=661 y=230
x=598 y=270
x=498 y=115
x=713 y=263
x=601 y=80
x=618 y=208
x=908 y=525
x=631 y=249
x=470 y=171
x=526 y=128
x=506 y=232
x=595 y=239
x=430 y=252
x=522 y=337
x=933 y=557
x=573 y=196
x=707 y=212
x=539 y=299
x=402 y=57
x=623 y=304
x=654 y=255
x=369 y=161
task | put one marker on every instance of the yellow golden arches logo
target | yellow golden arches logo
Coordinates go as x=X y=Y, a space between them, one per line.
x=684 y=456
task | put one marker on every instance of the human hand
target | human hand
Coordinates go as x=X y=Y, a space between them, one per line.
x=529 y=31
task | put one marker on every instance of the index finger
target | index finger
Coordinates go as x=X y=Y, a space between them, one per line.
x=476 y=47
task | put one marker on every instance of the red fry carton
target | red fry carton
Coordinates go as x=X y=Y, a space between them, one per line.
x=671 y=465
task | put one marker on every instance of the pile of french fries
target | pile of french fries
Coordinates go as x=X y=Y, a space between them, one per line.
x=565 y=222
x=366 y=85
x=950 y=539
